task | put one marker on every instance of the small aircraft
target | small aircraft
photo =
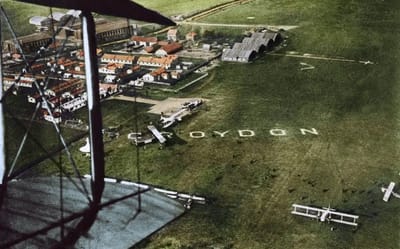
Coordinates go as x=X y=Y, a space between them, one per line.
x=389 y=191
x=157 y=134
x=325 y=214
x=168 y=121
x=192 y=104
x=366 y=62
x=141 y=139
x=186 y=108
x=187 y=198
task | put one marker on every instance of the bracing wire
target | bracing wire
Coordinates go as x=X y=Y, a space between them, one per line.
x=22 y=143
x=61 y=193
x=37 y=55
x=138 y=176
x=137 y=160
x=44 y=101
x=45 y=151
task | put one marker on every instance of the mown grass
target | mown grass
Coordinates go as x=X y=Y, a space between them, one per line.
x=250 y=183
x=19 y=13
x=180 y=7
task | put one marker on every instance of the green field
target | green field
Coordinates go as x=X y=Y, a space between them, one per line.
x=251 y=182
x=19 y=13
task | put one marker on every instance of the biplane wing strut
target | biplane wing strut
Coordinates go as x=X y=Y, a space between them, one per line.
x=118 y=8
x=2 y=127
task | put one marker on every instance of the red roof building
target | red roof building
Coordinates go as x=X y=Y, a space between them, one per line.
x=168 y=49
x=143 y=40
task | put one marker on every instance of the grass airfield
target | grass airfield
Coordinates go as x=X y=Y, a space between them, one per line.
x=251 y=182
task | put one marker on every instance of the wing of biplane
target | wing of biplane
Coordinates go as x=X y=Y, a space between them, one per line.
x=85 y=215
x=325 y=214
x=118 y=8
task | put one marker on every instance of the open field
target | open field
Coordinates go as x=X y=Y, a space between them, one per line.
x=180 y=7
x=19 y=13
x=251 y=182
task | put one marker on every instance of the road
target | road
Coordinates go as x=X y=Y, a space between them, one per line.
x=272 y=27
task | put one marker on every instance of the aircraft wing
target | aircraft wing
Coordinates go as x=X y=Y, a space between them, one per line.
x=118 y=8
x=344 y=218
x=388 y=191
x=307 y=211
x=325 y=214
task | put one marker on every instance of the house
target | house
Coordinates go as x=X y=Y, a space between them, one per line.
x=133 y=69
x=111 y=68
x=153 y=48
x=165 y=76
x=185 y=65
x=107 y=31
x=109 y=88
x=165 y=62
x=144 y=41
x=117 y=58
x=68 y=85
x=38 y=67
x=155 y=75
x=175 y=75
x=77 y=74
x=191 y=36
x=168 y=49
x=8 y=82
x=110 y=78
x=65 y=63
x=172 y=35
x=26 y=80
x=80 y=54
x=29 y=43
x=23 y=82
x=75 y=103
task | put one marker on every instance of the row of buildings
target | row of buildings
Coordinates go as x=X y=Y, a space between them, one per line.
x=68 y=26
x=65 y=90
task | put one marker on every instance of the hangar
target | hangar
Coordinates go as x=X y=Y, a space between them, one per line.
x=248 y=49
x=40 y=21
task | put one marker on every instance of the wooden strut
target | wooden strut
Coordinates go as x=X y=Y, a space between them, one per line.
x=119 y=8
x=2 y=131
x=94 y=108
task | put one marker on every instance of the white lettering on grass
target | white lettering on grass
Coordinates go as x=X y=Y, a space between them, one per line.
x=221 y=134
x=312 y=131
x=246 y=133
x=277 y=132
x=197 y=134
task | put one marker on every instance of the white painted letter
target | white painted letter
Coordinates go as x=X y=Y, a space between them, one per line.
x=277 y=132
x=246 y=133
x=312 y=131
x=221 y=134
x=197 y=134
